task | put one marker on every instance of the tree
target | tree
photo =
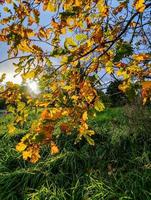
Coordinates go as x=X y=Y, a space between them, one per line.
x=84 y=37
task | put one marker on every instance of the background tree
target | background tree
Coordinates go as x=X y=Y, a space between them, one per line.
x=116 y=96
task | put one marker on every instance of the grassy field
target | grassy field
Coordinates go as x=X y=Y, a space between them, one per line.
x=118 y=167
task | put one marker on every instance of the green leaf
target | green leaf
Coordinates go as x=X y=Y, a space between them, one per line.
x=123 y=50
x=69 y=42
x=81 y=37
x=89 y=140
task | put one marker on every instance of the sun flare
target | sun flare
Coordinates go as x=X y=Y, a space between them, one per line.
x=33 y=86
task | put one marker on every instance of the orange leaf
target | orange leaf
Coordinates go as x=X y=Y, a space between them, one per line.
x=54 y=148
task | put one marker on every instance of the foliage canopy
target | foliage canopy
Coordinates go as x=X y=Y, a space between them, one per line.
x=80 y=40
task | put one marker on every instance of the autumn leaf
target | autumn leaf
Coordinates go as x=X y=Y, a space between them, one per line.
x=29 y=75
x=2 y=78
x=119 y=8
x=45 y=114
x=81 y=37
x=31 y=153
x=51 y=7
x=69 y=42
x=54 y=148
x=3 y=38
x=146 y=85
x=99 y=106
x=26 y=154
x=8 y=1
x=109 y=67
x=21 y=147
x=139 y=5
x=146 y=91
x=24 y=46
x=141 y=57
x=11 y=128
x=103 y=9
x=67 y=87
x=78 y=3
x=85 y=116
x=124 y=86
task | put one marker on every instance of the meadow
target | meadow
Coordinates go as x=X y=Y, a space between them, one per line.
x=117 y=167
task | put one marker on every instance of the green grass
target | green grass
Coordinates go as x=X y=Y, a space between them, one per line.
x=117 y=168
x=110 y=114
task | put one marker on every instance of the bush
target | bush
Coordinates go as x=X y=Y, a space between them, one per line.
x=2 y=104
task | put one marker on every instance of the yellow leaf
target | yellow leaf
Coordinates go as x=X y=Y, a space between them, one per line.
x=99 y=106
x=70 y=42
x=74 y=97
x=102 y=8
x=19 y=119
x=70 y=21
x=124 y=86
x=64 y=59
x=90 y=132
x=80 y=37
x=11 y=128
x=67 y=87
x=43 y=104
x=29 y=75
x=65 y=113
x=85 y=116
x=32 y=153
x=90 y=42
x=68 y=4
x=25 y=137
x=63 y=30
x=109 y=67
x=26 y=154
x=21 y=147
x=51 y=7
x=30 y=33
x=8 y=1
x=78 y=3
x=24 y=46
x=139 y=5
